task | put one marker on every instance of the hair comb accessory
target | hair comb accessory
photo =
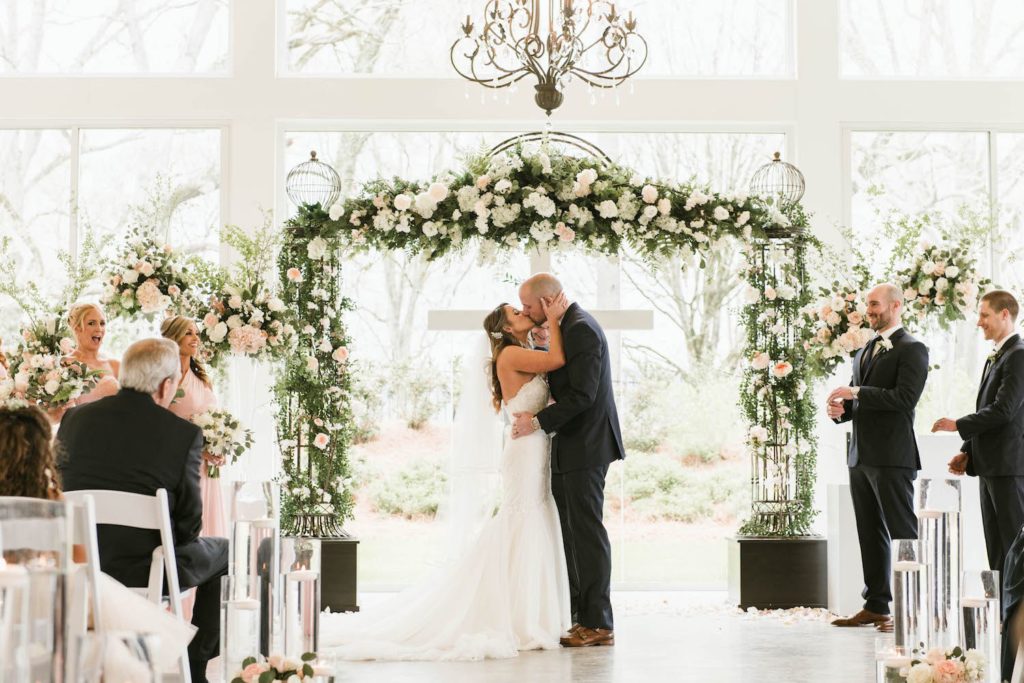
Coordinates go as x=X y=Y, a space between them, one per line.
x=497 y=335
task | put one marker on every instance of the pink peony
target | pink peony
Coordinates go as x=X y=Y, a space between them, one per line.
x=247 y=339
x=295 y=275
x=947 y=671
x=150 y=298
x=321 y=440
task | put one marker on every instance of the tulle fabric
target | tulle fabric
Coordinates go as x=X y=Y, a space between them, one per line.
x=508 y=592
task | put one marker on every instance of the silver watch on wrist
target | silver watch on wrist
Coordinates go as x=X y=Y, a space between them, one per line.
x=536 y=424
x=855 y=391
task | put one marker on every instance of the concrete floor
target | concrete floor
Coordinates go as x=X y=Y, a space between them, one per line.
x=667 y=637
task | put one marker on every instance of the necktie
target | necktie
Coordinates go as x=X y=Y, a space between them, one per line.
x=869 y=353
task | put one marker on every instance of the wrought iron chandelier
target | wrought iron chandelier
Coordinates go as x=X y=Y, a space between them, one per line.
x=586 y=39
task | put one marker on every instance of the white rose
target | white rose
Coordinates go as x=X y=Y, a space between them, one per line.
x=758 y=434
x=275 y=304
x=402 y=202
x=928 y=267
x=312 y=364
x=941 y=285
x=51 y=387
x=146 y=269
x=649 y=194
x=235 y=302
x=503 y=186
x=437 y=192
x=219 y=331
x=721 y=213
x=751 y=295
x=130 y=276
x=316 y=249
x=608 y=209
x=429 y=228
x=760 y=361
x=664 y=206
x=952 y=272
x=786 y=292
x=743 y=218
x=234 y=322
x=770 y=293
x=909 y=293
x=336 y=211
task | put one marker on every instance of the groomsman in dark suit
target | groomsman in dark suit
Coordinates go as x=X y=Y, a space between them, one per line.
x=993 y=448
x=888 y=378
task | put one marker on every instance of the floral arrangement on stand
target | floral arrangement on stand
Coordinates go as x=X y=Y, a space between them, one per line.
x=774 y=392
x=146 y=277
x=315 y=425
x=223 y=437
x=837 y=328
x=245 y=317
x=278 y=668
x=941 y=283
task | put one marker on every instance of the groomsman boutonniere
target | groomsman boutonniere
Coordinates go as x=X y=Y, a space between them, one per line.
x=884 y=345
x=992 y=357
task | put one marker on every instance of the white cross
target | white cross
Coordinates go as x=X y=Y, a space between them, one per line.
x=613 y=319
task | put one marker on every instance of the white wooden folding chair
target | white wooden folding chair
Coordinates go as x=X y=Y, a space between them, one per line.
x=144 y=512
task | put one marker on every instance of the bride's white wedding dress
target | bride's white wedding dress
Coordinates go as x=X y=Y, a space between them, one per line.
x=508 y=592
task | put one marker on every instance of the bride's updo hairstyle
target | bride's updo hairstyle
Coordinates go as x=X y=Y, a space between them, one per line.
x=175 y=328
x=77 y=313
x=494 y=325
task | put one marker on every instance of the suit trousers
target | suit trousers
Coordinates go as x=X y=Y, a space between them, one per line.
x=206 y=612
x=883 y=504
x=579 y=496
x=1002 y=515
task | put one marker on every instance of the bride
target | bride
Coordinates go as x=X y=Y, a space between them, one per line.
x=509 y=590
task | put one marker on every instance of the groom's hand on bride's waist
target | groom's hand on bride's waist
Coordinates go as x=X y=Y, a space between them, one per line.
x=522 y=425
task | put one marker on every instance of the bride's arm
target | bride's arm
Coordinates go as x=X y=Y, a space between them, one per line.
x=531 y=361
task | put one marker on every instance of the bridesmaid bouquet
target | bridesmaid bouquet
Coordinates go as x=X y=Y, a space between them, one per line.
x=50 y=380
x=223 y=437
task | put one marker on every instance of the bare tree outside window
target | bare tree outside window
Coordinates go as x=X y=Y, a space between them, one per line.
x=114 y=37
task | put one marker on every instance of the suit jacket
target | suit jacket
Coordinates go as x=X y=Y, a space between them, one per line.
x=994 y=435
x=127 y=442
x=583 y=418
x=883 y=414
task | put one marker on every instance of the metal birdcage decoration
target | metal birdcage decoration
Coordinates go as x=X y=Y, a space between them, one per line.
x=313 y=182
x=779 y=179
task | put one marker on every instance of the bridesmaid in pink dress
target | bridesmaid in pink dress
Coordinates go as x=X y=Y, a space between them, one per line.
x=196 y=396
x=89 y=325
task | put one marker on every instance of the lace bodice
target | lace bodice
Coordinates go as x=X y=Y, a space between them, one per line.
x=532 y=397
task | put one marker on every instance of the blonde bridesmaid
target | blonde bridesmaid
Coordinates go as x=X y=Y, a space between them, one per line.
x=89 y=327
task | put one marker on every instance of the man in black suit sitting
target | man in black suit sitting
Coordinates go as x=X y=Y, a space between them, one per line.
x=131 y=442
x=888 y=378
x=993 y=447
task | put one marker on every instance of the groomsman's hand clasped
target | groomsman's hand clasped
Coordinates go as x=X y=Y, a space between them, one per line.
x=958 y=465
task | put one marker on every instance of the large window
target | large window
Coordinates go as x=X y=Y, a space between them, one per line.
x=939 y=39
x=693 y=38
x=110 y=37
x=160 y=179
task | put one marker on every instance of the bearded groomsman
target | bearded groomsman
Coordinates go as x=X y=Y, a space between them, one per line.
x=993 y=448
x=888 y=378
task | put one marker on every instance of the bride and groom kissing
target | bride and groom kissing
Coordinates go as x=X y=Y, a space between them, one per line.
x=537 y=574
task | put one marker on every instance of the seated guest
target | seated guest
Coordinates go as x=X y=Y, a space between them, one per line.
x=131 y=442
x=27 y=471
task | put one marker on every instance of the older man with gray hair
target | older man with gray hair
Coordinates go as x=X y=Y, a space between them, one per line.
x=131 y=442
x=888 y=378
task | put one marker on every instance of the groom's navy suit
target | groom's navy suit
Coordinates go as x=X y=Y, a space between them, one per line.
x=883 y=456
x=585 y=439
x=994 y=443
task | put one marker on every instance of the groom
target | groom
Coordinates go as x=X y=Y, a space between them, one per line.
x=584 y=425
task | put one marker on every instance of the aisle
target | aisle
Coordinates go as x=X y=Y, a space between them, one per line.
x=667 y=637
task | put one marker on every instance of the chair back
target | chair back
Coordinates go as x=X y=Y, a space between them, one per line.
x=84 y=534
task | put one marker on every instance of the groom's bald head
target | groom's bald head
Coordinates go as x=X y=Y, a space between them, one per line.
x=541 y=285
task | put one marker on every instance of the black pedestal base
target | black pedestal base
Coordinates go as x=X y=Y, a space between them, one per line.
x=778 y=573
x=338 y=574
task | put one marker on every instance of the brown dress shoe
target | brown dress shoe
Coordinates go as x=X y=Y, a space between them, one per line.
x=569 y=634
x=862 y=618
x=589 y=637
x=884 y=626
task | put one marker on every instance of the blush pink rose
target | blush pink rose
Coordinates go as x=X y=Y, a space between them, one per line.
x=295 y=275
